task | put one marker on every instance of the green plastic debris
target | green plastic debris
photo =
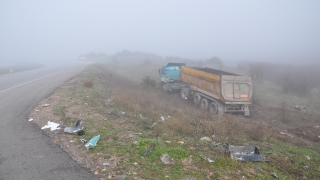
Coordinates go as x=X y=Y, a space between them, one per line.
x=93 y=142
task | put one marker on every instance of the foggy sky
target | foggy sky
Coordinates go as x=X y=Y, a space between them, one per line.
x=269 y=30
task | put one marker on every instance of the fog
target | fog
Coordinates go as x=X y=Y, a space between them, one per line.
x=286 y=31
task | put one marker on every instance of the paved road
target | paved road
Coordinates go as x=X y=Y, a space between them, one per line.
x=25 y=151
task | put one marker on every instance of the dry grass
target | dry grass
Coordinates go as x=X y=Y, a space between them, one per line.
x=142 y=123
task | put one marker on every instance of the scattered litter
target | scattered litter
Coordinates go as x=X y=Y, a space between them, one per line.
x=245 y=153
x=206 y=139
x=147 y=150
x=131 y=136
x=165 y=159
x=283 y=133
x=305 y=167
x=105 y=164
x=168 y=142
x=46 y=105
x=81 y=132
x=36 y=110
x=154 y=124
x=53 y=126
x=93 y=142
x=308 y=157
x=30 y=119
x=301 y=108
x=318 y=136
x=123 y=112
x=180 y=142
x=210 y=160
x=258 y=169
x=135 y=163
x=77 y=127
x=274 y=175
x=316 y=127
x=164 y=118
x=72 y=141
x=215 y=144
x=57 y=131
x=83 y=140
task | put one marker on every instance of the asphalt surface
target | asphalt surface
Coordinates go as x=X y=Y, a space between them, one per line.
x=25 y=151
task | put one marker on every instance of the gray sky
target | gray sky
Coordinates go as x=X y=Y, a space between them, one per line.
x=268 y=30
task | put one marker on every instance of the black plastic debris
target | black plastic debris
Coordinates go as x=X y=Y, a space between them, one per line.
x=150 y=147
x=245 y=153
x=81 y=132
x=74 y=129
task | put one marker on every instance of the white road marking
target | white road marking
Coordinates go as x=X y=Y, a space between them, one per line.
x=31 y=81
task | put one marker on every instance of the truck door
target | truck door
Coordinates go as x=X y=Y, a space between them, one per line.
x=236 y=88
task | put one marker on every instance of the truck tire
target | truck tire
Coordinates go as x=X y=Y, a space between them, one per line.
x=204 y=104
x=196 y=99
x=185 y=93
x=164 y=87
x=213 y=107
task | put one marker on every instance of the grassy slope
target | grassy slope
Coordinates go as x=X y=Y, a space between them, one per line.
x=132 y=124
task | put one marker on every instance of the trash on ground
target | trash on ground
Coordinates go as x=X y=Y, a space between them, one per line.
x=150 y=147
x=30 y=119
x=215 y=143
x=168 y=142
x=164 y=118
x=210 y=160
x=122 y=177
x=77 y=127
x=308 y=157
x=135 y=163
x=53 y=126
x=245 y=153
x=274 y=175
x=81 y=132
x=36 y=110
x=180 y=142
x=283 y=133
x=57 y=131
x=165 y=159
x=206 y=139
x=316 y=127
x=46 y=105
x=93 y=142
x=305 y=167
x=154 y=124
x=105 y=164
x=72 y=141
x=301 y=108
x=83 y=140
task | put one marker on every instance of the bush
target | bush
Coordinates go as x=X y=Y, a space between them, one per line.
x=88 y=84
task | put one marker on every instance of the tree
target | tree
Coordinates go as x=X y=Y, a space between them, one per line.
x=215 y=60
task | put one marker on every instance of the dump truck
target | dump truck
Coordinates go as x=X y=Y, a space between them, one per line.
x=216 y=90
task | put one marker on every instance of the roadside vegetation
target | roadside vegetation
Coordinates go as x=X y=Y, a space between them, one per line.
x=139 y=123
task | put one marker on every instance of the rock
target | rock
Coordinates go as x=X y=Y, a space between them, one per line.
x=307 y=157
x=165 y=159
x=206 y=139
x=121 y=177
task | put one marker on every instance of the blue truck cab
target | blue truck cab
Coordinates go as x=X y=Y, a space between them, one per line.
x=170 y=72
x=169 y=75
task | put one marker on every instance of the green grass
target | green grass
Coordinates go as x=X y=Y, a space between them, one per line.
x=286 y=156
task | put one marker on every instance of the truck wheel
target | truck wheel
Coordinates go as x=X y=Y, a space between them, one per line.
x=184 y=93
x=196 y=99
x=164 y=87
x=204 y=104
x=213 y=107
